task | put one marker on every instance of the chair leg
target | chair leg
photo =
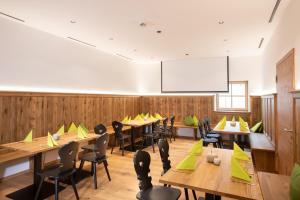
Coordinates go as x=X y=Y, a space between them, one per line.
x=112 y=148
x=106 y=169
x=186 y=194
x=95 y=174
x=194 y=194
x=152 y=142
x=39 y=188
x=74 y=187
x=56 y=189
x=92 y=169
x=122 y=147
x=81 y=165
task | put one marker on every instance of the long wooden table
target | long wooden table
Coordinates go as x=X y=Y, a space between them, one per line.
x=35 y=149
x=274 y=186
x=231 y=130
x=213 y=179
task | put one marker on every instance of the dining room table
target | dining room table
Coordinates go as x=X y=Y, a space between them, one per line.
x=215 y=181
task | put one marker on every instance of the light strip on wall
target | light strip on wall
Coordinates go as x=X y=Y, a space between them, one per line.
x=261 y=42
x=10 y=16
x=91 y=45
x=124 y=57
x=274 y=11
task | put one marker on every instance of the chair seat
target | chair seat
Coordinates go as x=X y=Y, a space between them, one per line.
x=92 y=157
x=90 y=147
x=159 y=193
x=213 y=135
x=57 y=173
x=210 y=140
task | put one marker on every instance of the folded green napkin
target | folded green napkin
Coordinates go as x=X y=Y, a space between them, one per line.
x=188 y=163
x=61 y=130
x=196 y=121
x=237 y=171
x=158 y=116
x=222 y=123
x=81 y=133
x=50 y=141
x=197 y=148
x=295 y=183
x=238 y=153
x=28 y=138
x=72 y=128
x=125 y=120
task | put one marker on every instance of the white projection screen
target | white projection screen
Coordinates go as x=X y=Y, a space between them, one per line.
x=195 y=75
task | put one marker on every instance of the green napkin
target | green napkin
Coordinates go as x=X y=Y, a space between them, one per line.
x=256 y=127
x=50 y=141
x=152 y=118
x=28 y=138
x=196 y=121
x=188 y=163
x=157 y=116
x=61 y=130
x=237 y=171
x=295 y=183
x=125 y=120
x=222 y=123
x=81 y=133
x=72 y=128
x=238 y=153
x=197 y=148
x=188 y=121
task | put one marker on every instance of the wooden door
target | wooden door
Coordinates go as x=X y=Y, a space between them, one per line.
x=285 y=83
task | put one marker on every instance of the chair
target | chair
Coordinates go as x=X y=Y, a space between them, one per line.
x=66 y=169
x=205 y=139
x=147 y=191
x=117 y=126
x=97 y=156
x=100 y=129
x=170 y=130
x=153 y=135
x=210 y=133
x=163 y=130
x=164 y=155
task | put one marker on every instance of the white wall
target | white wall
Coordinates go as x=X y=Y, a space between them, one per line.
x=32 y=59
x=241 y=69
x=286 y=37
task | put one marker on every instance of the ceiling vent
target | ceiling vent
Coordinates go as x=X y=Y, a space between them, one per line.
x=12 y=17
x=274 y=11
x=122 y=56
x=91 y=45
x=261 y=42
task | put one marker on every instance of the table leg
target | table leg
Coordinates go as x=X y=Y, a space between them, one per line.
x=186 y=193
x=132 y=138
x=37 y=162
x=195 y=133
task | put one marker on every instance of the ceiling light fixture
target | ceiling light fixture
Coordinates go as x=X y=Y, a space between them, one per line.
x=221 y=22
x=187 y=54
x=274 y=11
x=122 y=56
x=159 y=31
x=73 y=22
x=261 y=42
x=10 y=16
x=143 y=24
x=111 y=38
x=225 y=40
x=81 y=41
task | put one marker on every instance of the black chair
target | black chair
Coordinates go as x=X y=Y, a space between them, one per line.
x=205 y=139
x=117 y=126
x=100 y=129
x=147 y=191
x=163 y=130
x=152 y=135
x=164 y=155
x=66 y=169
x=171 y=130
x=97 y=156
x=210 y=133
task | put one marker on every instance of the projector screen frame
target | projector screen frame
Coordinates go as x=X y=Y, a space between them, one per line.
x=221 y=91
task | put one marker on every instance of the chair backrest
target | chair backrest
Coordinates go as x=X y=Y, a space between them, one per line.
x=165 y=124
x=100 y=129
x=172 y=119
x=101 y=144
x=117 y=126
x=141 y=161
x=67 y=154
x=163 y=146
x=200 y=127
x=155 y=125
x=207 y=122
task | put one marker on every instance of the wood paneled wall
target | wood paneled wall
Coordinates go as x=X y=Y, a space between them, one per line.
x=180 y=106
x=269 y=116
x=43 y=112
x=296 y=96
x=256 y=112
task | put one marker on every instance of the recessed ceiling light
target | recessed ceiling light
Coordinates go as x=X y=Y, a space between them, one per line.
x=225 y=40
x=228 y=51
x=187 y=54
x=221 y=22
x=73 y=22
x=143 y=24
x=111 y=38
x=134 y=50
x=159 y=31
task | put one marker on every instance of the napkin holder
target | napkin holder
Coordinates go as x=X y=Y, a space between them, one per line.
x=233 y=123
x=56 y=136
x=210 y=157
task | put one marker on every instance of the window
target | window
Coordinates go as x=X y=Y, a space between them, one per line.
x=235 y=99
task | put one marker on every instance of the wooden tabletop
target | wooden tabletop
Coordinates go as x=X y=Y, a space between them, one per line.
x=136 y=123
x=16 y=150
x=110 y=129
x=232 y=130
x=274 y=186
x=215 y=179
x=182 y=125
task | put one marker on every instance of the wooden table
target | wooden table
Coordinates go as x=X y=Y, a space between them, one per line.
x=178 y=125
x=35 y=149
x=213 y=179
x=232 y=131
x=274 y=186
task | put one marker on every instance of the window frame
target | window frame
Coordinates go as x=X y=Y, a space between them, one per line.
x=234 y=109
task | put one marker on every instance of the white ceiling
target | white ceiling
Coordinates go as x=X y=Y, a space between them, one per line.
x=188 y=26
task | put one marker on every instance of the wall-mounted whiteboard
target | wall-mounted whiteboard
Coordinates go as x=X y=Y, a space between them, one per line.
x=195 y=75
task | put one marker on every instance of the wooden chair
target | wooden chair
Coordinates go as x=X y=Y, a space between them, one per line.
x=97 y=156
x=100 y=129
x=163 y=130
x=117 y=126
x=210 y=133
x=152 y=135
x=205 y=139
x=66 y=169
x=164 y=155
x=171 y=130
x=147 y=191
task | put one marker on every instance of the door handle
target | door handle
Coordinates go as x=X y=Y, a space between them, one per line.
x=288 y=130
